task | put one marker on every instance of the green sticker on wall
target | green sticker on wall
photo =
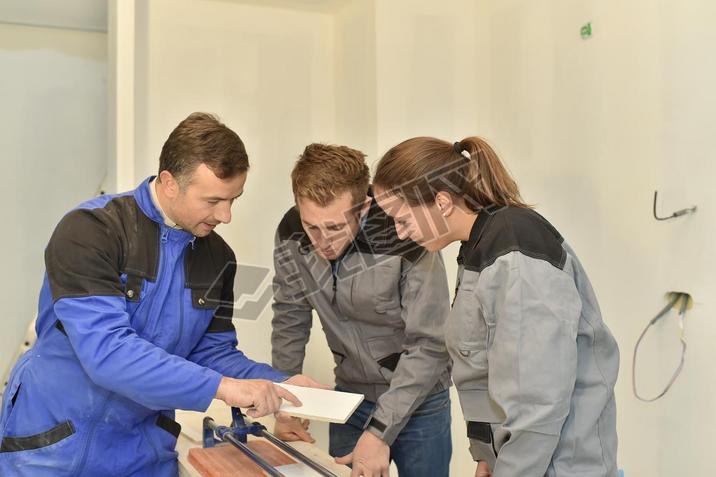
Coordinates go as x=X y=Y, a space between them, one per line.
x=586 y=31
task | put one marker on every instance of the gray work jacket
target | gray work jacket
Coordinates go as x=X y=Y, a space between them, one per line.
x=534 y=364
x=383 y=312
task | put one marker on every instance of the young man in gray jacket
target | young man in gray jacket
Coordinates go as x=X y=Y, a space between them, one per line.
x=382 y=303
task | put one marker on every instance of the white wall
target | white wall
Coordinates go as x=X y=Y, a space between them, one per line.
x=591 y=128
x=355 y=77
x=52 y=149
x=85 y=15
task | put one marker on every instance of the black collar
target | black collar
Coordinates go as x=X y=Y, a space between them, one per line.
x=484 y=215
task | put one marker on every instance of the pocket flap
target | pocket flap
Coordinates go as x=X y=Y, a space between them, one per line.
x=37 y=441
x=169 y=425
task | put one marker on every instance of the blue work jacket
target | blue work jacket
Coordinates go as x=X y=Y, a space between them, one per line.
x=134 y=321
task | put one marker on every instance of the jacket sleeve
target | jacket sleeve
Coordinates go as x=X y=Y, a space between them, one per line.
x=217 y=348
x=425 y=304
x=292 y=314
x=533 y=309
x=82 y=261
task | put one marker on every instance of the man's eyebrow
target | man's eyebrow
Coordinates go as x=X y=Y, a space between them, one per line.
x=221 y=198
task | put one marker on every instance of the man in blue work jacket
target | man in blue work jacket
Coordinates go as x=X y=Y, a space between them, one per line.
x=134 y=322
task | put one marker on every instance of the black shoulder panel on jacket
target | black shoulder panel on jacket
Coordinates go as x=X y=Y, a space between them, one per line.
x=206 y=260
x=210 y=269
x=221 y=324
x=291 y=228
x=512 y=229
x=91 y=248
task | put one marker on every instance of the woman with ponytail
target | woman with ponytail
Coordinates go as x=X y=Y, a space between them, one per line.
x=534 y=364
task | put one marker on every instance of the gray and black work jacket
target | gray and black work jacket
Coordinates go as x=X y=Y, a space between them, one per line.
x=534 y=364
x=382 y=306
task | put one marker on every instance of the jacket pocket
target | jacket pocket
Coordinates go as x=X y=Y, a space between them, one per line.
x=467 y=338
x=338 y=357
x=8 y=404
x=11 y=392
x=135 y=291
x=38 y=441
x=169 y=425
x=386 y=286
x=206 y=298
x=386 y=352
x=471 y=329
x=163 y=436
x=375 y=293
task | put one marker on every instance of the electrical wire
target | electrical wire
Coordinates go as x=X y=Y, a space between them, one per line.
x=682 y=314
x=678 y=213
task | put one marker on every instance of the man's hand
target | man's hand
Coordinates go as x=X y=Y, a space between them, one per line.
x=305 y=381
x=259 y=396
x=289 y=428
x=483 y=470
x=370 y=458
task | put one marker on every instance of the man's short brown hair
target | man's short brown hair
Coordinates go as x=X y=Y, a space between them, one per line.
x=323 y=172
x=202 y=139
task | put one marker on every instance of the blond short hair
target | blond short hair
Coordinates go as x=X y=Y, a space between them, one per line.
x=323 y=172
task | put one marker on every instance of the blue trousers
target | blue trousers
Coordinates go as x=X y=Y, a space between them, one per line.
x=424 y=446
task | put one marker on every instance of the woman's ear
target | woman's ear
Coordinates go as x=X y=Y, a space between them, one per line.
x=444 y=202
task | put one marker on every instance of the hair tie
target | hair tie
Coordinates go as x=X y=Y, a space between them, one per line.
x=457 y=147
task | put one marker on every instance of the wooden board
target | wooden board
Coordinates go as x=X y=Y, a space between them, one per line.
x=225 y=460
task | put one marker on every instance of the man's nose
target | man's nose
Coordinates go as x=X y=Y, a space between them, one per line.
x=223 y=212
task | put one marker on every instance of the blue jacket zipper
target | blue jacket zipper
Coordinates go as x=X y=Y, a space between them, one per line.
x=90 y=433
x=93 y=423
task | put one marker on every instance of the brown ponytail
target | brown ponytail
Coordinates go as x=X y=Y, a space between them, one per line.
x=419 y=168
